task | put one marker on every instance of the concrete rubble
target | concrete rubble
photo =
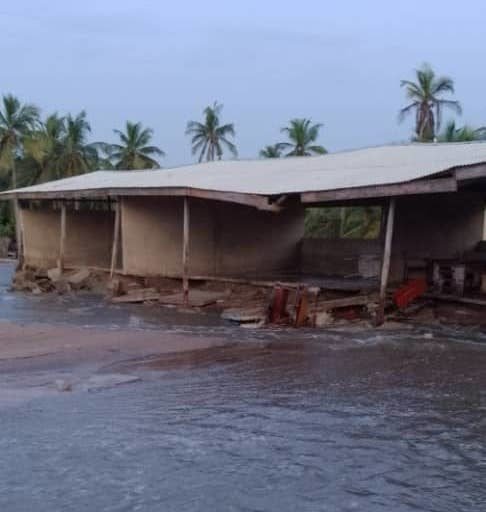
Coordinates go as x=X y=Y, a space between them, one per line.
x=39 y=281
x=247 y=305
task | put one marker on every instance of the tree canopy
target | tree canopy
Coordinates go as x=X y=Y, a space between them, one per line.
x=210 y=138
x=302 y=138
x=426 y=96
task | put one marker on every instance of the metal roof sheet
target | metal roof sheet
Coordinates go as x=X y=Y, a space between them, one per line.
x=381 y=165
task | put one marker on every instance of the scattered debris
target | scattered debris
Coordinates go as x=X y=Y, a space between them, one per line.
x=278 y=308
x=408 y=292
x=323 y=319
x=63 y=385
x=79 y=278
x=138 y=295
x=255 y=315
x=54 y=274
x=197 y=298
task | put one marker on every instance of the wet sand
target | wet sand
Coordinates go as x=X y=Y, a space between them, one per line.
x=37 y=359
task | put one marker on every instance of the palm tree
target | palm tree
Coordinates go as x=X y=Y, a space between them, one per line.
x=426 y=101
x=42 y=148
x=209 y=137
x=76 y=156
x=452 y=133
x=271 y=151
x=16 y=121
x=302 y=135
x=133 y=152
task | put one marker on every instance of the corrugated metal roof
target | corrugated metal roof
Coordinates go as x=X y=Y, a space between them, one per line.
x=358 y=168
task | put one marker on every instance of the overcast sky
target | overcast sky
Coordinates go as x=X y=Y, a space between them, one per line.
x=162 y=61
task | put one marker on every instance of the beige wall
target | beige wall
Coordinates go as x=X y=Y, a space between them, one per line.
x=89 y=237
x=225 y=238
x=41 y=237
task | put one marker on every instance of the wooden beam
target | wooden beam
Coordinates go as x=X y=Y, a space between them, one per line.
x=62 y=239
x=261 y=202
x=385 y=266
x=471 y=172
x=116 y=238
x=185 y=252
x=439 y=185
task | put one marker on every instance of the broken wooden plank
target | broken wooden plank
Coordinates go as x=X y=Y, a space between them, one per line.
x=134 y=296
x=197 y=298
x=356 y=300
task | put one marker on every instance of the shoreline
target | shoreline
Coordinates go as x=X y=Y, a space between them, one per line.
x=41 y=359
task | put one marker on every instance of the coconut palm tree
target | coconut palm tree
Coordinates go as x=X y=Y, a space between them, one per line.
x=426 y=96
x=134 y=151
x=76 y=156
x=452 y=133
x=42 y=149
x=210 y=137
x=271 y=151
x=16 y=121
x=302 y=136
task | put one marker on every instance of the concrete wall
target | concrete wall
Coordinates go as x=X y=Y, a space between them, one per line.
x=441 y=226
x=337 y=256
x=41 y=237
x=225 y=238
x=89 y=237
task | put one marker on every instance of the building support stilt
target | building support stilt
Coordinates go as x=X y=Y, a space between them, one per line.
x=19 y=234
x=62 y=239
x=116 y=238
x=385 y=266
x=185 y=251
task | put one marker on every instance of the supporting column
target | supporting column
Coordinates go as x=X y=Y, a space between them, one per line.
x=62 y=239
x=385 y=266
x=19 y=234
x=116 y=238
x=185 y=252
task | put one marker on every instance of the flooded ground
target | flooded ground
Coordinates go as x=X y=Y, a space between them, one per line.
x=272 y=421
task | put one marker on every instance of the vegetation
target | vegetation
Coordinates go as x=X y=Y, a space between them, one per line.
x=271 y=151
x=134 y=150
x=427 y=102
x=16 y=121
x=350 y=222
x=209 y=138
x=466 y=133
x=302 y=135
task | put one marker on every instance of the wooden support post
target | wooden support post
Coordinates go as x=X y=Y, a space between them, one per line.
x=185 y=252
x=19 y=234
x=62 y=239
x=116 y=238
x=385 y=266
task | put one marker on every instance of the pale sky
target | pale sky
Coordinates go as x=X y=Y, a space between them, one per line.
x=161 y=62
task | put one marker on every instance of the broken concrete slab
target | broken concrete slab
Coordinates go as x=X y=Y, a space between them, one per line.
x=79 y=277
x=140 y=295
x=197 y=298
x=54 y=274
